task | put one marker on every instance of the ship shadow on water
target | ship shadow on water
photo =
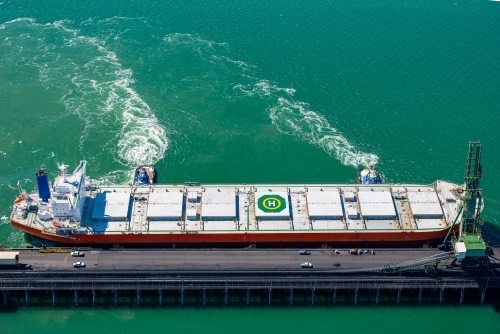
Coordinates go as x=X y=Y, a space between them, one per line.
x=37 y=242
x=491 y=233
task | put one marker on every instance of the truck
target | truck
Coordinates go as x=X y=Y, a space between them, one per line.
x=9 y=259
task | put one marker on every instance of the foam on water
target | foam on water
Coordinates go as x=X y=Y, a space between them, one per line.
x=94 y=86
x=141 y=140
x=290 y=117
x=190 y=40
x=241 y=64
x=4 y=220
x=112 y=178
x=295 y=118
x=15 y=238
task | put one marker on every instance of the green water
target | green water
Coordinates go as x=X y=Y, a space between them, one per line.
x=254 y=91
x=256 y=320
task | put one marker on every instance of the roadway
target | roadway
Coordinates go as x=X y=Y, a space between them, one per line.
x=221 y=259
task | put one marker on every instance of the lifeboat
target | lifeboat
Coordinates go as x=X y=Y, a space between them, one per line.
x=18 y=199
x=56 y=224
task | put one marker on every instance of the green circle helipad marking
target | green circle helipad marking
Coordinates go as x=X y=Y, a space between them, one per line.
x=271 y=203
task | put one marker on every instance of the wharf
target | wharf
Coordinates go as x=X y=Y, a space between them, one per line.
x=202 y=270
x=222 y=259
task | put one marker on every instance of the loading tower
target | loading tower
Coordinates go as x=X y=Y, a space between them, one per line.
x=470 y=247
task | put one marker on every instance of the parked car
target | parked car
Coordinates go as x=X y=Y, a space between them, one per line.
x=78 y=264
x=304 y=252
x=77 y=254
x=306 y=265
x=357 y=252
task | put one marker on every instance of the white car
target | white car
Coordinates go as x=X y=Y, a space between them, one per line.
x=78 y=264
x=306 y=265
x=76 y=254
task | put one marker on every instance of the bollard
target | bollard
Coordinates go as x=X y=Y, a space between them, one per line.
x=54 y=301
x=312 y=297
x=270 y=296
x=335 y=296
x=248 y=296
x=116 y=297
x=161 y=297
x=27 y=294
x=76 y=297
x=377 y=297
x=441 y=292
x=204 y=296
x=356 y=296
x=94 y=297
x=399 y=295
x=420 y=295
x=462 y=294
x=138 y=297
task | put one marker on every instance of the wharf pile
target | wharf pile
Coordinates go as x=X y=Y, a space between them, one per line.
x=180 y=273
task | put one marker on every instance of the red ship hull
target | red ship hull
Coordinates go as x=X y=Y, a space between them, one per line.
x=271 y=239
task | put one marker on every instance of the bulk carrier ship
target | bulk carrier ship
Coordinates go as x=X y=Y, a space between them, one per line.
x=74 y=212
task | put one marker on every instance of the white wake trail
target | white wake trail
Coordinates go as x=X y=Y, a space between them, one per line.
x=142 y=140
x=94 y=86
x=288 y=115
x=295 y=118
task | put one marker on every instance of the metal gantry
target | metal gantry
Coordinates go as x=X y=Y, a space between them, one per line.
x=473 y=199
x=470 y=246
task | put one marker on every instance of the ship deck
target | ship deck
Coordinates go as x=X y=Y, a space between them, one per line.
x=219 y=209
